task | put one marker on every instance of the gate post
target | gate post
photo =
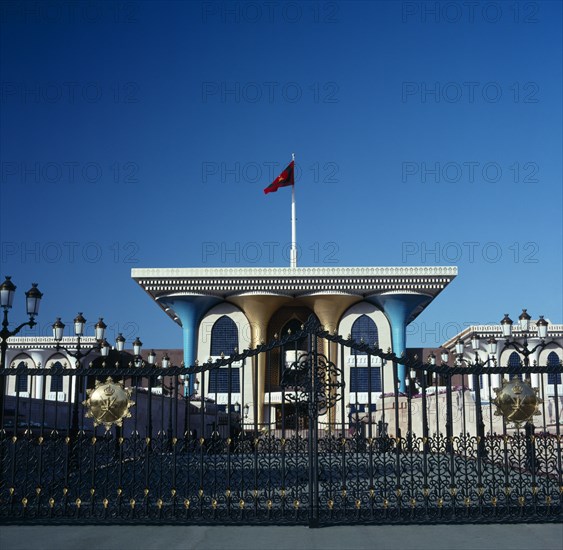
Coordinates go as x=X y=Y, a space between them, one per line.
x=481 y=449
x=531 y=462
x=313 y=435
x=449 y=415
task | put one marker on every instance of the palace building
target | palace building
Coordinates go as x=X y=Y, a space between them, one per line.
x=223 y=309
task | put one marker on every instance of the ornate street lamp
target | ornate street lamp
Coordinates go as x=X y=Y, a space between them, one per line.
x=475 y=342
x=105 y=348
x=120 y=343
x=492 y=346
x=137 y=345
x=506 y=326
x=33 y=300
x=542 y=327
x=524 y=325
x=58 y=329
x=79 y=352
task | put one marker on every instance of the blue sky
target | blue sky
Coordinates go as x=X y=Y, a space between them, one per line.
x=142 y=135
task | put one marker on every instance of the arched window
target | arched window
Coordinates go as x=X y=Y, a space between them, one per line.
x=553 y=361
x=56 y=379
x=362 y=377
x=21 y=379
x=224 y=336
x=515 y=361
x=364 y=329
x=224 y=339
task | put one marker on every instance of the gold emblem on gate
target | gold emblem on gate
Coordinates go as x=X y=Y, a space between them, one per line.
x=108 y=403
x=517 y=401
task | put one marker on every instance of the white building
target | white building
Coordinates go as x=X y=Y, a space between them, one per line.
x=223 y=309
x=40 y=353
x=504 y=356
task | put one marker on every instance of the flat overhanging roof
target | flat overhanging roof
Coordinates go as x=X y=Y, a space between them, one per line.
x=299 y=282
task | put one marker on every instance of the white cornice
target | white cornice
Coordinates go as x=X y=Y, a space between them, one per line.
x=229 y=282
x=213 y=272
x=226 y=282
x=30 y=342
x=486 y=331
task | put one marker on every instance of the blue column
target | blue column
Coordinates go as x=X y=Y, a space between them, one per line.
x=190 y=310
x=399 y=309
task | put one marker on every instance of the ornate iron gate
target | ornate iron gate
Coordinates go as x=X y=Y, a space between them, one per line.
x=126 y=444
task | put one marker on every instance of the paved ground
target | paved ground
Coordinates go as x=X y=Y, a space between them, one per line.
x=431 y=537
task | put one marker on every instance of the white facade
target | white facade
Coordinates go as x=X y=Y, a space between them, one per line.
x=550 y=354
x=41 y=353
x=505 y=354
x=271 y=396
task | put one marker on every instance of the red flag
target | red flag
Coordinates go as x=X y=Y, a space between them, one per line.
x=285 y=179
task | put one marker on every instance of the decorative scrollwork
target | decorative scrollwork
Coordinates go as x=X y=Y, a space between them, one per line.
x=315 y=380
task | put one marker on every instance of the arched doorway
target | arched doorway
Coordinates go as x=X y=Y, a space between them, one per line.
x=285 y=414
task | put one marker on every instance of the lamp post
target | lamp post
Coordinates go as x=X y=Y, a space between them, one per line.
x=137 y=361
x=524 y=349
x=33 y=299
x=137 y=345
x=524 y=325
x=79 y=352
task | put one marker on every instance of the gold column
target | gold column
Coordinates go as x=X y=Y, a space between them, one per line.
x=329 y=310
x=259 y=309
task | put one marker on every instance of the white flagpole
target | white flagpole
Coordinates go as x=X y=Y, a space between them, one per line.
x=293 y=254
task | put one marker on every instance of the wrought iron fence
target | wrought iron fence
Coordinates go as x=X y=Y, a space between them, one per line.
x=306 y=446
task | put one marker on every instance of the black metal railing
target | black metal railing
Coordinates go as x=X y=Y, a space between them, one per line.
x=307 y=450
